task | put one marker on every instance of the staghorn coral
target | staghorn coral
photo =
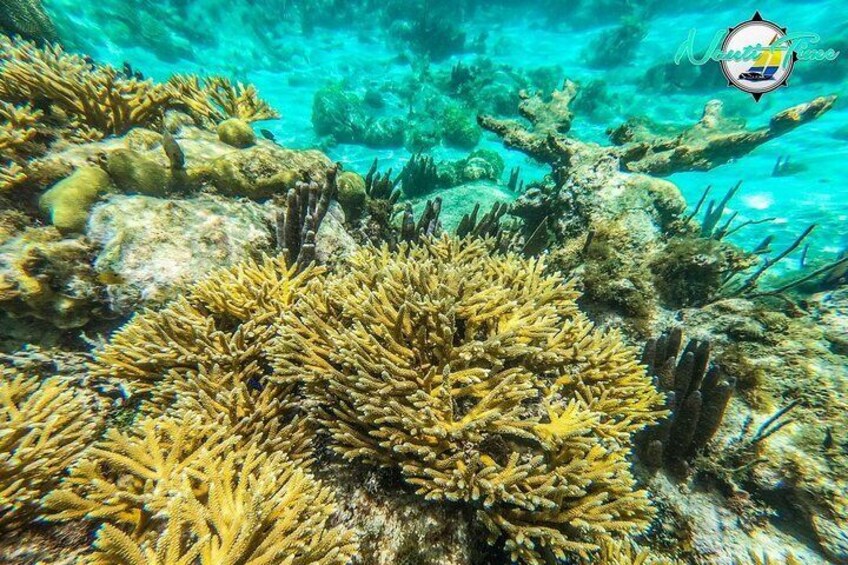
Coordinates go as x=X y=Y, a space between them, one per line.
x=11 y=175
x=212 y=100
x=479 y=381
x=624 y=552
x=766 y=559
x=127 y=478
x=205 y=354
x=98 y=99
x=17 y=134
x=17 y=127
x=44 y=426
x=166 y=484
x=260 y=511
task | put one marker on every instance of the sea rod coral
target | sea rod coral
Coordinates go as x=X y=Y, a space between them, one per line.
x=478 y=379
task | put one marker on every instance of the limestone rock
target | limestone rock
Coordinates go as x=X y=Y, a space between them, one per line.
x=150 y=248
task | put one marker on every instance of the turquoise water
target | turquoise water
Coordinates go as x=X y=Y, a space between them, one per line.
x=464 y=400
x=264 y=43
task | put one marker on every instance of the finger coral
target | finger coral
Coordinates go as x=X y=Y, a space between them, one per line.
x=44 y=426
x=481 y=382
x=100 y=98
x=212 y=100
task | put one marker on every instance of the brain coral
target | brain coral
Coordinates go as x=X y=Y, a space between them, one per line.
x=479 y=380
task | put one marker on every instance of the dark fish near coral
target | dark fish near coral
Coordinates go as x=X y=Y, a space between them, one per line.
x=268 y=135
x=174 y=152
x=130 y=73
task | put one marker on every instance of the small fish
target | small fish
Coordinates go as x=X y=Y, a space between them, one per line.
x=254 y=383
x=173 y=151
x=109 y=278
x=268 y=135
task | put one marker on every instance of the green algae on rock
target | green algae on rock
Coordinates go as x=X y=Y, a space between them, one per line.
x=70 y=200
x=237 y=133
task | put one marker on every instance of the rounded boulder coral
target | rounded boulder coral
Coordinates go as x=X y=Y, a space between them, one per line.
x=477 y=378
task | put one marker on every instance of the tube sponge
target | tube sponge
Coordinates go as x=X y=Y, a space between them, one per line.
x=480 y=381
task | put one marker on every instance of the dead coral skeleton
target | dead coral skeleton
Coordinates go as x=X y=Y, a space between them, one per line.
x=479 y=380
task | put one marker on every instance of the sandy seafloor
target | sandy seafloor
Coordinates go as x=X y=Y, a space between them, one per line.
x=818 y=194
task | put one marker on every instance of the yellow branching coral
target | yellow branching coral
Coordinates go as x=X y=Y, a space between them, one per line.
x=206 y=354
x=623 y=552
x=44 y=426
x=99 y=97
x=478 y=378
x=212 y=100
x=17 y=132
x=766 y=559
x=166 y=497
x=17 y=127
x=126 y=479
x=11 y=175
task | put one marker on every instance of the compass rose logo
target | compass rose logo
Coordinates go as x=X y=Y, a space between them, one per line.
x=773 y=57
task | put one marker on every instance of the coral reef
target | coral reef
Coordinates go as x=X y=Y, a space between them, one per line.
x=245 y=506
x=44 y=426
x=625 y=553
x=84 y=101
x=475 y=392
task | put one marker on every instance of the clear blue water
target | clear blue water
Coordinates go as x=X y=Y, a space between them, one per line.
x=261 y=42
